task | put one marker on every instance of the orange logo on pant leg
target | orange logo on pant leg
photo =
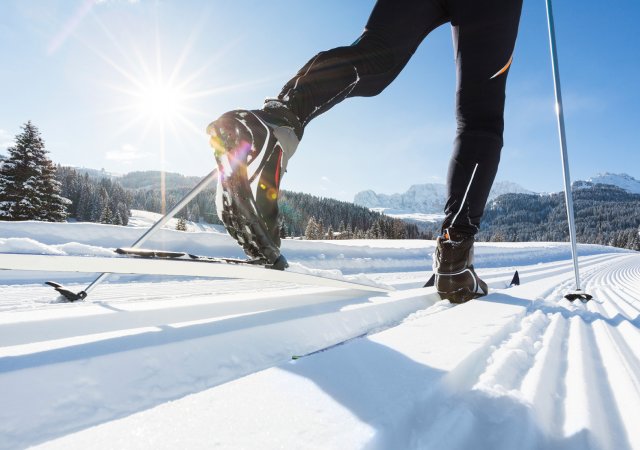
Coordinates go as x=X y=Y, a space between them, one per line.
x=504 y=69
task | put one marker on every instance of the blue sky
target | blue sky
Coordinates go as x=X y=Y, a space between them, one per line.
x=131 y=85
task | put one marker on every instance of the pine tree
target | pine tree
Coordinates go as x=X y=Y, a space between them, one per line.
x=123 y=212
x=117 y=218
x=100 y=205
x=635 y=244
x=28 y=188
x=320 y=229
x=497 y=237
x=348 y=234
x=330 y=233
x=107 y=215
x=84 y=208
x=194 y=213
x=181 y=225
x=376 y=231
x=312 y=229
x=341 y=230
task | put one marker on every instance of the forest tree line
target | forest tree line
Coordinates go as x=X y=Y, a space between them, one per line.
x=33 y=188
x=104 y=199
x=604 y=214
x=94 y=200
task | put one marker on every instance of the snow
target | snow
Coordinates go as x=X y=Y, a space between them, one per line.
x=621 y=180
x=410 y=216
x=163 y=363
x=146 y=219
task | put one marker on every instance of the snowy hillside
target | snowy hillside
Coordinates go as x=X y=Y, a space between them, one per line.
x=622 y=180
x=423 y=199
x=165 y=363
x=146 y=219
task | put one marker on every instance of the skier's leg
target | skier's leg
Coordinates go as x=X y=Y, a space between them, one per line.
x=484 y=35
x=252 y=148
x=391 y=36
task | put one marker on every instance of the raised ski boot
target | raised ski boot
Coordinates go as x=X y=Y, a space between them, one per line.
x=252 y=148
x=455 y=279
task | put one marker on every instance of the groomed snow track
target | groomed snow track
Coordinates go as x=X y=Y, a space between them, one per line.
x=522 y=368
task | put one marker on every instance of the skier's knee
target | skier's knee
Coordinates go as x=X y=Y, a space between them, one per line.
x=480 y=111
x=378 y=63
x=371 y=60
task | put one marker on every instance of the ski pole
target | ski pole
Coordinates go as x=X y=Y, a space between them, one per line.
x=202 y=184
x=563 y=153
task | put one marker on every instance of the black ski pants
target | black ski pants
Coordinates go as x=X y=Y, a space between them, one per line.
x=484 y=34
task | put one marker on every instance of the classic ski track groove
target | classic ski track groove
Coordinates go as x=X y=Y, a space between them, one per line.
x=548 y=344
x=170 y=267
x=226 y=306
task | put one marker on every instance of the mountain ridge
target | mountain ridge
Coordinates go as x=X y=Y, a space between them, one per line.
x=430 y=198
x=622 y=180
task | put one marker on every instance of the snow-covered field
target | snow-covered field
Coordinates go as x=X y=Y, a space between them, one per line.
x=153 y=362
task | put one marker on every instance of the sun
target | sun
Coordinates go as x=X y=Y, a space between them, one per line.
x=160 y=101
x=156 y=96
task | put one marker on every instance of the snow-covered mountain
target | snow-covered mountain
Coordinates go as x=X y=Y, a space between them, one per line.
x=621 y=180
x=425 y=198
x=507 y=187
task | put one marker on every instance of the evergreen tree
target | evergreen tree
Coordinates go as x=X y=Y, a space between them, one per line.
x=194 y=213
x=376 y=231
x=106 y=216
x=497 y=237
x=181 y=225
x=85 y=207
x=635 y=243
x=311 y=232
x=348 y=234
x=28 y=188
x=123 y=212
x=341 y=229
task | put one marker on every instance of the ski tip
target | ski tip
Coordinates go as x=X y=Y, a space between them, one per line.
x=66 y=293
x=431 y=282
x=515 y=281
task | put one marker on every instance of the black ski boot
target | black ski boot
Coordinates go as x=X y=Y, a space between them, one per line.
x=456 y=280
x=252 y=148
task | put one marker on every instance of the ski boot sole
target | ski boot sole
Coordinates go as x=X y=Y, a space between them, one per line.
x=231 y=143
